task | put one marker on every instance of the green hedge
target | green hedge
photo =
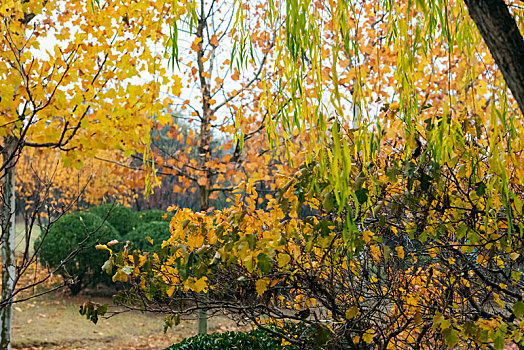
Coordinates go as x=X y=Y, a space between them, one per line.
x=256 y=339
x=146 y=216
x=156 y=230
x=65 y=236
x=122 y=218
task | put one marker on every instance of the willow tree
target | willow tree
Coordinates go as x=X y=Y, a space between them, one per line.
x=70 y=91
x=411 y=145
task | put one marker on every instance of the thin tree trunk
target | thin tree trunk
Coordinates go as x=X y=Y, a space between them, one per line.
x=204 y=150
x=8 y=242
x=202 y=313
x=202 y=317
x=502 y=36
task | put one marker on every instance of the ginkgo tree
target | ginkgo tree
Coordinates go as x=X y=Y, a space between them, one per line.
x=411 y=173
x=66 y=84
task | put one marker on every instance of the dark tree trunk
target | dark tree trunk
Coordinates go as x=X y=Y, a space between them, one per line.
x=502 y=36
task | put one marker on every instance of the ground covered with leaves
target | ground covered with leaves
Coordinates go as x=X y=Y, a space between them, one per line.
x=53 y=322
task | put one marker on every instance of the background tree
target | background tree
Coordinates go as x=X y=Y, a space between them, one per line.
x=91 y=184
x=202 y=150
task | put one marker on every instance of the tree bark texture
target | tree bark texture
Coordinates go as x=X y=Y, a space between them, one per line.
x=7 y=241
x=502 y=36
x=204 y=150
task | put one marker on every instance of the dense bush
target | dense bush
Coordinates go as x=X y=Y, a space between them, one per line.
x=158 y=231
x=80 y=231
x=122 y=218
x=256 y=339
x=146 y=216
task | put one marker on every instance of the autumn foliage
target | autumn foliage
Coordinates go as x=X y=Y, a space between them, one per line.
x=399 y=222
x=367 y=155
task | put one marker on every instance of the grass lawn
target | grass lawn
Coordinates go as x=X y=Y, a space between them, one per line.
x=20 y=239
x=53 y=322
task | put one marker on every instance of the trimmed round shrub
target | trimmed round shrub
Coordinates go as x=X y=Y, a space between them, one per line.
x=74 y=231
x=256 y=339
x=158 y=231
x=146 y=216
x=122 y=218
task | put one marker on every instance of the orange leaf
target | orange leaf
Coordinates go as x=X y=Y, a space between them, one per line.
x=214 y=40
x=195 y=46
x=236 y=75
x=400 y=252
x=202 y=181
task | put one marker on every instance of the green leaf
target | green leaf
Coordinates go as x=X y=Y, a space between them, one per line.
x=516 y=275
x=329 y=202
x=470 y=328
x=498 y=343
x=283 y=259
x=92 y=310
x=451 y=337
x=425 y=182
x=462 y=230
x=362 y=195
x=102 y=309
x=322 y=335
x=264 y=263
x=518 y=309
x=480 y=188
x=423 y=237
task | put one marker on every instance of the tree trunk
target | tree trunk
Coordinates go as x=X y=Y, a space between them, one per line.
x=202 y=313
x=204 y=151
x=7 y=241
x=202 y=318
x=502 y=36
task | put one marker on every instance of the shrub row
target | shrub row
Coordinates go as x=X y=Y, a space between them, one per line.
x=69 y=245
x=158 y=231
x=122 y=218
x=256 y=339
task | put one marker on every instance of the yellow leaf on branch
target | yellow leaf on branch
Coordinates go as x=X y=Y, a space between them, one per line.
x=400 y=252
x=261 y=286
x=201 y=285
